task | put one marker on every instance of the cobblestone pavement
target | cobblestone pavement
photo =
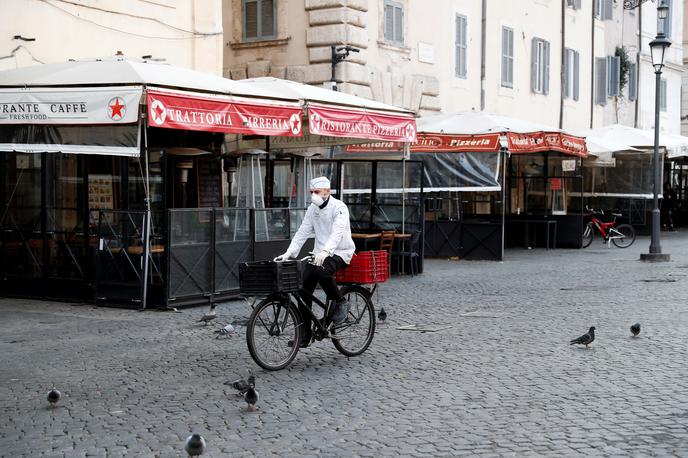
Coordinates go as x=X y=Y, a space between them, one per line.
x=502 y=380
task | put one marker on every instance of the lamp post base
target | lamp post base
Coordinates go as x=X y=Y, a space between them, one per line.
x=655 y=257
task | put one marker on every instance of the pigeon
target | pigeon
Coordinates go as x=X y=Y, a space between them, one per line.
x=53 y=396
x=251 y=398
x=208 y=317
x=585 y=339
x=635 y=329
x=242 y=385
x=226 y=331
x=194 y=445
x=382 y=315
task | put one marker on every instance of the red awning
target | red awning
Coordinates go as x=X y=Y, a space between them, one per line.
x=360 y=123
x=220 y=114
x=518 y=144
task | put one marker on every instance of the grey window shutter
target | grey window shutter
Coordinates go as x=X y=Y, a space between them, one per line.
x=663 y=94
x=576 y=75
x=577 y=4
x=398 y=24
x=601 y=81
x=267 y=18
x=545 y=68
x=596 y=8
x=565 y=73
x=617 y=75
x=389 y=23
x=667 y=21
x=533 y=65
x=607 y=13
x=250 y=19
x=633 y=82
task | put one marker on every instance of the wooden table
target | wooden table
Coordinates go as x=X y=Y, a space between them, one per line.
x=365 y=239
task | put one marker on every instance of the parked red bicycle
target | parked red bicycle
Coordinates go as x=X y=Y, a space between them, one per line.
x=621 y=235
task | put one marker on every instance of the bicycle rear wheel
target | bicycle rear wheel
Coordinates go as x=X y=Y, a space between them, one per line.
x=354 y=335
x=588 y=235
x=627 y=234
x=275 y=322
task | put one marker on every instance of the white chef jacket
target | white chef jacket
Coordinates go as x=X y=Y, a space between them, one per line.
x=331 y=228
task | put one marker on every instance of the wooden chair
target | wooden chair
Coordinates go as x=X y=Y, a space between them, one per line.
x=386 y=244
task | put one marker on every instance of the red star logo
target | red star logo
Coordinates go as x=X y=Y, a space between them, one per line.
x=295 y=123
x=158 y=113
x=117 y=108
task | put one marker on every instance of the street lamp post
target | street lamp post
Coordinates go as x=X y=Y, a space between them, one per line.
x=658 y=47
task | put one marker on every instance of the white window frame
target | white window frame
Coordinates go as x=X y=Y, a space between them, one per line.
x=613 y=76
x=397 y=38
x=507 y=73
x=571 y=74
x=540 y=66
x=461 y=46
x=259 y=21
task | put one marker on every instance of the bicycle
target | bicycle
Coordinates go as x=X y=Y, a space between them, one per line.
x=621 y=235
x=274 y=329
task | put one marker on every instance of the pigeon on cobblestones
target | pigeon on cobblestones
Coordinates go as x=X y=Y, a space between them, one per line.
x=242 y=385
x=635 y=329
x=194 y=445
x=227 y=331
x=585 y=339
x=251 y=398
x=53 y=397
x=382 y=315
x=208 y=317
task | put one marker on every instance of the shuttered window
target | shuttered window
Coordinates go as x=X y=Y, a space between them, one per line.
x=539 y=66
x=613 y=75
x=572 y=74
x=633 y=82
x=662 y=94
x=603 y=9
x=259 y=19
x=600 y=80
x=667 y=21
x=461 y=46
x=575 y=4
x=507 y=57
x=394 y=23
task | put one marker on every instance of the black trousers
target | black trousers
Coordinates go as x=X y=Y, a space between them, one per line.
x=323 y=275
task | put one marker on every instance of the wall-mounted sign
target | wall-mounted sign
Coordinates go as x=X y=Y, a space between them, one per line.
x=568 y=165
x=426 y=53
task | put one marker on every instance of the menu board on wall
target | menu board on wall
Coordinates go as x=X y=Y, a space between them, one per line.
x=209 y=182
x=100 y=195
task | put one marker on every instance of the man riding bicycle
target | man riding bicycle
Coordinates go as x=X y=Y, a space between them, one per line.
x=328 y=219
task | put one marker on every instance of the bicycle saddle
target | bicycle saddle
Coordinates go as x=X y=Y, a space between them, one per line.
x=617 y=214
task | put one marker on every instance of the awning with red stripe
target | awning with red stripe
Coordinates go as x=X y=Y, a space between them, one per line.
x=222 y=114
x=518 y=143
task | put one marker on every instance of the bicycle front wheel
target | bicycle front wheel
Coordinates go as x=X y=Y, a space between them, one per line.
x=588 y=235
x=274 y=323
x=625 y=234
x=354 y=335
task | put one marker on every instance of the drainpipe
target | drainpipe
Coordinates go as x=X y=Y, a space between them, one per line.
x=592 y=65
x=563 y=58
x=637 y=65
x=483 y=35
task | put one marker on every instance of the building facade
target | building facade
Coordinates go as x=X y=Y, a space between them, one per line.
x=552 y=61
x=186 y=33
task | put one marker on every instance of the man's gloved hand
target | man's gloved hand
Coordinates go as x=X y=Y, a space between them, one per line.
x=320 y=258
x=283 y=257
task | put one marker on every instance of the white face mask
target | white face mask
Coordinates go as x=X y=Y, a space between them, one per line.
x=317 y=200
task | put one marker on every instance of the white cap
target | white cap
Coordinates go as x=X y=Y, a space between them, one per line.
x=320 y=183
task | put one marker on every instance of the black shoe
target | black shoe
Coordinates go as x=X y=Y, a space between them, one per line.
x=305 y=341
x=341 y=310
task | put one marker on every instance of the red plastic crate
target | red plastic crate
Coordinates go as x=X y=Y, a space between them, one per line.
x=366 y=267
